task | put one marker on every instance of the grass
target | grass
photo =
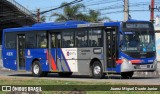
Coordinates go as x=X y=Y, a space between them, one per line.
x=37 y=81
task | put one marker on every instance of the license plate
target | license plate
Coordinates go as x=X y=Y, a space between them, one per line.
x=143 y=66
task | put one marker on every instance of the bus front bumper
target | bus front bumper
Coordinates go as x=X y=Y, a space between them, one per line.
x=127 y=67
x=145 y=67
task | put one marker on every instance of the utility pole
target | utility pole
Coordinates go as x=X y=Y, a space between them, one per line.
x=38 y=15
x=126 y=10
x=152 y=11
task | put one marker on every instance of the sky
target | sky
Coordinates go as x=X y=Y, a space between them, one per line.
x=108 y=8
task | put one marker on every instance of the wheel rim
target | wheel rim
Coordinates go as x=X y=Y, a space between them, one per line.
x=97 y=70
x=36 y=69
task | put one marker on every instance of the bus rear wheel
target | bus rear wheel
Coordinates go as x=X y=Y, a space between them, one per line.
x=37 y=69
x=97 y=71
x=65 y=74
x=127 y=75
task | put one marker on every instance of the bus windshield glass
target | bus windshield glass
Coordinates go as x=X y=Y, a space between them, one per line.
x=138 y=41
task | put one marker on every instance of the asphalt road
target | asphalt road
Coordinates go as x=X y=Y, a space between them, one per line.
x=137 y=79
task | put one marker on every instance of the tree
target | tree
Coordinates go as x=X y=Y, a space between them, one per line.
x=43 y=18
x=94 y=16
x=70 y=13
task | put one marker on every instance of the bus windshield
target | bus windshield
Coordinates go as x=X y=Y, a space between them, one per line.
x=138 y=41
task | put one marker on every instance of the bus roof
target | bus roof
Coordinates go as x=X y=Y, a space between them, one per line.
x=61 y=25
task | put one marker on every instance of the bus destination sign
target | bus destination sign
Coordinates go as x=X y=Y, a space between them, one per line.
x=136 y=25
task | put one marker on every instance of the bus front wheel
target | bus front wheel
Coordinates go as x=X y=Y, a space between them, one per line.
x=127 y=75
x=37 y=69
x=97 y=71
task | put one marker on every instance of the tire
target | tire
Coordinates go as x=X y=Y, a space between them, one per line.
x=37 y=69
x=97 y=71
x=127 y=75
x=65 y=74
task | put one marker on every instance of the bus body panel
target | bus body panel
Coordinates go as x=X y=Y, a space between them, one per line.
x=9 y=59
x=41 y=54
x=86 y=55
x=69 y=56
x=10 y=64
x=72 y=59
x=117 y=69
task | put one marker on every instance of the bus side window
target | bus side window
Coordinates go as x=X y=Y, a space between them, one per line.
x=10 y=40
x=68 y=39
x=95 y=38
x=42 y=40
x=31 y=40
x=59 y=40
x=53 y=41
x=81 y=38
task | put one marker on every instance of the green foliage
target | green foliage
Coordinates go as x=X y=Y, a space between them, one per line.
x=72 y=12
x=43 y=19
x=50 y=81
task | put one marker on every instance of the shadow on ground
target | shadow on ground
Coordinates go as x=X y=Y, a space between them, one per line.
x=112 y=76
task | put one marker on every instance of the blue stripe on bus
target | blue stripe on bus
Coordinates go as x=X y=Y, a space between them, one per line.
x=62 y=68
x=65 y=60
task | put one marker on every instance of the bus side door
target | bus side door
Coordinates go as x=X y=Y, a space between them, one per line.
x=21 y=51
x=54 y=46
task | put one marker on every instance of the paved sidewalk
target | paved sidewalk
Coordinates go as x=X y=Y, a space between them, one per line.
x=1 y=64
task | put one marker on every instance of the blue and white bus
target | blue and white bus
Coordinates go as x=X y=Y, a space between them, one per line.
x=85 y=48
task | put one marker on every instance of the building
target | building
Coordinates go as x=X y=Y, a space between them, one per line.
x=12 y=14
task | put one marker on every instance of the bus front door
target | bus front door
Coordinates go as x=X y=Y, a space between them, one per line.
x=21 y=51
x=111 y=47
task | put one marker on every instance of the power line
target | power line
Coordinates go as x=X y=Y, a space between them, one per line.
x=104 y=2
x=116 y=7
x=73 y=2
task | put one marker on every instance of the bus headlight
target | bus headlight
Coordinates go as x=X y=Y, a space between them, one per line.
x=125 y=60
x=155 y=64
x=126 y=66
x=155 y=61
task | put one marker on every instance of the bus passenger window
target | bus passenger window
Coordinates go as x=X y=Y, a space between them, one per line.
x=68 y=39
x=31 y=40
x=95 y=38
x=42 y=40
x=59 y=40
x=10 y=40
x=43 y=43
x=53 y=41
x=81 y=38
